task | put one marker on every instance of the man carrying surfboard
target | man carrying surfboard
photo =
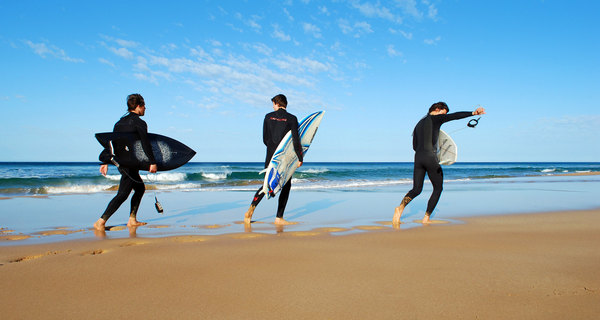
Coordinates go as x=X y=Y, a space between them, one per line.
x=130 y=178
x=275 y=126
x=425 y=140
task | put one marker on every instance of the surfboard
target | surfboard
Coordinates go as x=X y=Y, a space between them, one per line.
x=447 y=151
x=284 y=162
x=126 y=149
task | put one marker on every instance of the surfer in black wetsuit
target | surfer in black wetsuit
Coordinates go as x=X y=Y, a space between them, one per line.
x=425 y=139
x=130 y=178
x=275 y=126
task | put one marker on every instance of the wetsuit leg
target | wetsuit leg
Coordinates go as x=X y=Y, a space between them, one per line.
x=283 y=198
x=418 y=179
x=125 y=187
x=436 y=176
x=257 y=197
x=139 y=189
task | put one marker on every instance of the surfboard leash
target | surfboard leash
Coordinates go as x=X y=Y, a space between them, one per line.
x=157 y=205
x=471 y=124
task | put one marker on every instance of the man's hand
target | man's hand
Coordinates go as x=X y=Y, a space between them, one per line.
x=104 y=169
x=153 y=168
x=299 y=164
x=479 y=111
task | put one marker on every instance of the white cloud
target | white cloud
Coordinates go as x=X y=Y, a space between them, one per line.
x=432 y=41
x=312 y=29
x=296 y=65
x=279 y=34
x=392 y=52
x=287 y=13
x=405 y=34
x=356 y=30
x=431 y=10
x=107 y=62
x=376 y=11
x=126 y=43
x=121 y=52
x=262 y=48
x=409 y=7
x=43 y=50
x=251 y=22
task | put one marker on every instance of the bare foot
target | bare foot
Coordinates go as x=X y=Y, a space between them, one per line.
x=101 y=234
x=100 y=224
x=281 y=222
x=426 y=219
x=133 y=231
x=248 y=215
x=134 y=223
x=397 y=213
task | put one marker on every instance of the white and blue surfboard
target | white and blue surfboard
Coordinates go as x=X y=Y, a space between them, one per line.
x=284 y=162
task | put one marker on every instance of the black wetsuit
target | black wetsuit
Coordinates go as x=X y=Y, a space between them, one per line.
x=130 y=178
x=425 y=144
x=275 y=126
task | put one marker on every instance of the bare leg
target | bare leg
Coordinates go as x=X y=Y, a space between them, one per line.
x=249 y=213
x=282 y=222
x=399 y=209
x=100 y=224
x=133 y=222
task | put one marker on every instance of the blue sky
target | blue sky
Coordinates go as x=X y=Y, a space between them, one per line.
x=208 y=70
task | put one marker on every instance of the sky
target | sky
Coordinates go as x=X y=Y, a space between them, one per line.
x=208 y=70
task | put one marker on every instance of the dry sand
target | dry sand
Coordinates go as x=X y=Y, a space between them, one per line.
x=534 y=266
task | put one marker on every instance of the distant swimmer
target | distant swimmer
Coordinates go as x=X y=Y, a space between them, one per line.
x=130 y=178
x=275 y=126
x=425 y=140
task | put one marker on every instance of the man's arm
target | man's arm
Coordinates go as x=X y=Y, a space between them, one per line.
x=266 y=133
x=461 y=115
x=296 y=140
x=146 y=146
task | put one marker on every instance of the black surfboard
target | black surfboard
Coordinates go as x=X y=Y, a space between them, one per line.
x=126 y=149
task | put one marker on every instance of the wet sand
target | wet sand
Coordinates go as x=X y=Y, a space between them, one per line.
x=531 y=266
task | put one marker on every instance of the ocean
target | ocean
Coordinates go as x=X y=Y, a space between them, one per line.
x=46 y=202
x=62 y=178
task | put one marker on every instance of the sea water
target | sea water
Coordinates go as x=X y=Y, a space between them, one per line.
x=211 y=198
x=59 y=178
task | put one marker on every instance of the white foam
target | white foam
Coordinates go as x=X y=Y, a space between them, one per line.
x=164 y=177
x=154 y=177
x=214 y=176
x=314 y=170
x=548 y=170
x=76 y=189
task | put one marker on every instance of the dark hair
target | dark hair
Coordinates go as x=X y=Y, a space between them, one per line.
x=281 y=100
x=134 y=100
x=439 y=106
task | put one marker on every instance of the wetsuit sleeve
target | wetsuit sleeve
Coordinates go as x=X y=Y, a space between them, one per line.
x=454 y=116
x=142 y=130
x=296 y=139
x=266 y=132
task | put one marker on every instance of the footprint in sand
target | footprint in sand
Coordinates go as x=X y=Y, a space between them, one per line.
x=93 y=252
x=35 y=256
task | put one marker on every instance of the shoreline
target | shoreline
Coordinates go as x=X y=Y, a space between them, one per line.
x=35 y=220
x=534 y=265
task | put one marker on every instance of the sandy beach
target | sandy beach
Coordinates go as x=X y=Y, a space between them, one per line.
x=522 y=248
x=533 y=266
